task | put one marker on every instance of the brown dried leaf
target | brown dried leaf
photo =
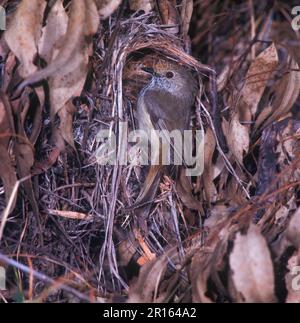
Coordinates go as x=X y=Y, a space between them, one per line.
x=293 y=230
x=265 y=113
x=24 y=150
x=92 y=19
x=252 y=268
x=218 y=213
x=258 y=75
x=72 y=53
x=7 y=171
x=66 y=123
x=207 y=263
x=288 y=149
x=145 y=5
x=186 y=15
x=200 y=274
x=38 y=116
x=69 y=80
x=10 y=64
x=64 y=85
x=53 y=32
x=143 y=290
x=24 y=32
x=287 y=93
x=209 y=148
x=184 y=189
x=107 y=7
x=238 y=138
x=169 y=14
x=292 y=279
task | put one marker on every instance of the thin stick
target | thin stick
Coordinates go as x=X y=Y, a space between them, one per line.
x=10 y=203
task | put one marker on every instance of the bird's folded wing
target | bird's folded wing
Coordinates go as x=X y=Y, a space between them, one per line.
x=165 y=111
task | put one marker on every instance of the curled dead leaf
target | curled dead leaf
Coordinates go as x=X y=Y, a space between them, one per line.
x=23 y=34
x=143 y=290
x=252 y=268
x=258 y=75
x=65 y=46
x=72 y=52
x=287 y=93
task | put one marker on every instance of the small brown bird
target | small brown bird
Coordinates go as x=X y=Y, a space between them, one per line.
x=165 y=103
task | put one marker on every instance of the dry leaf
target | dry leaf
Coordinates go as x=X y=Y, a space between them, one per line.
x=7 y=171
x=252 y=268
x=92 y=19
x=287 y=93
x=73 y=78
x=209 y=148
x=23 y=34
x=292 y=280
x=169 y=14
x=24 y=150
x=206 y=264
x=143 y=290
x=200 y=273
x=53 y=32
x=293 y=230
x=257 y=77
x=238 y=138
x=67 y=70
x=262 y=117
x=145 y=5
x=66 y=123
x=107 y=7
x=186 y=15
x=184 y=190
x=72 y=53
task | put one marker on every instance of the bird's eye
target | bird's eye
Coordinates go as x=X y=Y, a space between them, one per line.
x=169 y=75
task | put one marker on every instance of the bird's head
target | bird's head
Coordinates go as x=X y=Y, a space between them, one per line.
x=173 y=78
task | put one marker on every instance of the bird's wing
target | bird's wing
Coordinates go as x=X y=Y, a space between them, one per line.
x=165 y=110
x=166 y=113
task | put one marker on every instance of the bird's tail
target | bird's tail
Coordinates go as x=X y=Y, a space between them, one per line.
x=150 y=187
x=143 y=203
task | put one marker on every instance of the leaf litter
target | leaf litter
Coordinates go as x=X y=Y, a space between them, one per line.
x=72 y=68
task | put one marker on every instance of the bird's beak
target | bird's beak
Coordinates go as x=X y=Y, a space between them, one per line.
x=149 y=70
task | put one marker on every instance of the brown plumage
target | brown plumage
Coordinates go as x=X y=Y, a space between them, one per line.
x=165 y=103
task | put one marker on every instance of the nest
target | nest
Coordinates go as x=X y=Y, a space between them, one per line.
x=71 y=226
